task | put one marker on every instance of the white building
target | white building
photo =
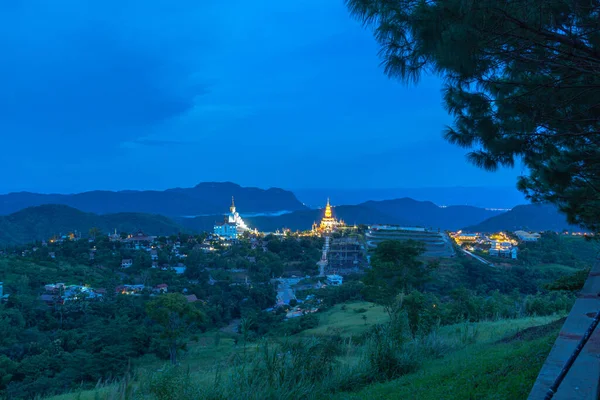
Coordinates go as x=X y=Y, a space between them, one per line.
x=503 y=249
x=232 y=226
x=527 y=236
x=334 y=280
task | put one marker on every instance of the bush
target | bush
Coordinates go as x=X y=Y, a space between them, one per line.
x=387 y=358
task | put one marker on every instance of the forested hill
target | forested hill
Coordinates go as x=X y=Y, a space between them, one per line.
x=533 y=217
x=204 y=198
x=42 y=222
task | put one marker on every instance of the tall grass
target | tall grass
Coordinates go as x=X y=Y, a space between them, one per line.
x=305 y=368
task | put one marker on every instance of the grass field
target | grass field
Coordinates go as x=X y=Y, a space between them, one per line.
x=501 y=361
x=347 y=319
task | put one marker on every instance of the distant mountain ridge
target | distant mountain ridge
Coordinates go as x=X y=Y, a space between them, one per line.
x=204 y=198
x=41 y=222
x=406 y=212
x=483 y=197
x=530 y=217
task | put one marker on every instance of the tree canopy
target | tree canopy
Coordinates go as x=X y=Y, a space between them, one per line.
x=522 y=81
x=175 y=316
x=396 y=267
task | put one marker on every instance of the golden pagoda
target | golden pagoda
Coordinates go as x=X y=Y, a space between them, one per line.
x=328 y=223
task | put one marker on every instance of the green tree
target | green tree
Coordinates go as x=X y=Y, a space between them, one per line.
x=176 y=317
x=396 y=267
x=522 y=80
x=94 y=232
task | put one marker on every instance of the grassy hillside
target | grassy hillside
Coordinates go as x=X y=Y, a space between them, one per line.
x=495 y=367
x=347 y=319
x=491 y=359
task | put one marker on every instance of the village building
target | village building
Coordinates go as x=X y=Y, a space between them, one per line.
x=527 y=236
x=161 y=288
x=191 y=298
x=140 y=240
x=126 y=263
x=334 y=280
x=179 y=269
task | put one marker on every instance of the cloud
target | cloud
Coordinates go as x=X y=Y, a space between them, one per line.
x=71 y=69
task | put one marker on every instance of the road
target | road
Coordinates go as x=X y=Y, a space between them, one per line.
x=285 y=293
x=483 y=260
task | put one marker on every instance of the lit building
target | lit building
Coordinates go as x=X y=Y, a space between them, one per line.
x=467 y=237
x=334 y=280
x=232 y=226
x=328 y=223
x=503 y=249
x=436 y=243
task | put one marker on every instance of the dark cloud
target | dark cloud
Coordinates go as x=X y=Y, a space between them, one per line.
x=272 y=92
x=67 y=72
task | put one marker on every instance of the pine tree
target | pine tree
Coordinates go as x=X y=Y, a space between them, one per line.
x=521 y=79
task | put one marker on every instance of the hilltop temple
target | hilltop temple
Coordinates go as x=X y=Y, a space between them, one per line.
x=232 y=226
x=328 y=223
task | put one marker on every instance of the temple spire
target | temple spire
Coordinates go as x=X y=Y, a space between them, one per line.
x=328 y=213
x=232 y=208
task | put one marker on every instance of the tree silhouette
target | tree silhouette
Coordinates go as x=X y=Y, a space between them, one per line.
x=522 y=80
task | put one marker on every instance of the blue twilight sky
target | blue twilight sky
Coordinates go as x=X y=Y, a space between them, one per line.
x=151 y=94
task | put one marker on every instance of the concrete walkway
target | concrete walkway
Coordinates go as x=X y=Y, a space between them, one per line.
x=475 y=256
x=582 y=380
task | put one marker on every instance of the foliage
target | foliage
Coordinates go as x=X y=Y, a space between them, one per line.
x=553 y=248
x=396 y=267
x=571 y=283
x=175 y=316
x=489 y=370
x=523 y=83
x=43 y=222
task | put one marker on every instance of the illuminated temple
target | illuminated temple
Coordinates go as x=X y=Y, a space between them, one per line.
x=328 y=223
x=232 y=226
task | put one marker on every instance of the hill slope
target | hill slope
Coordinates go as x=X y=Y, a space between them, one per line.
x=42 y=222
x=204 y=198
x=534 y=217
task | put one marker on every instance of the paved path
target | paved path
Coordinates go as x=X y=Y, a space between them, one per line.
x=581 y=382
x=285 y=293
x=478 y=258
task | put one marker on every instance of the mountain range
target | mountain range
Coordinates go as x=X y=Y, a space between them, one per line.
x=203 y=199
x=207 y=203
x=484 y=197
x=530 y=217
